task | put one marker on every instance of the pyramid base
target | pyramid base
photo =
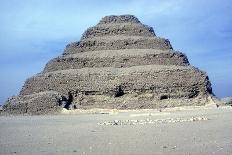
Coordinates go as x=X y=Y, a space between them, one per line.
x=35 y=104
x=49 y=102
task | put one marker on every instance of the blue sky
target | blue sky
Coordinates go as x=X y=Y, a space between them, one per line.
x=34 y=31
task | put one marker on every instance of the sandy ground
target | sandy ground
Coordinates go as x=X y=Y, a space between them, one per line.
x=187 y=131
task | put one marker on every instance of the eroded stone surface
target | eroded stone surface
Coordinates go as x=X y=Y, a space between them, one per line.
x=44 y=102
x=117 y=43
x=117 y=58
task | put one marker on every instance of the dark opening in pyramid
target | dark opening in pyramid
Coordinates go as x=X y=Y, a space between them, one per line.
x=119 y=63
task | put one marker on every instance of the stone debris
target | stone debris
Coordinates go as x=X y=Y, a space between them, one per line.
x=119 y=63
x=150 y=121
x=226 y=101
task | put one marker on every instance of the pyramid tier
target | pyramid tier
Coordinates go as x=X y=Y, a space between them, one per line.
x=35 y=103
x=127 y=29
x=119 y=19
x=117 y=43
x=176 y=82
x=117 y=58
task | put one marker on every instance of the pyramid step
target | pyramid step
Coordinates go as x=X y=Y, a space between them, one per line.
x=183 y=81
x=35 y=103
x=127 y=29
x=117 y=43
x=117 y=58
x=119 y=19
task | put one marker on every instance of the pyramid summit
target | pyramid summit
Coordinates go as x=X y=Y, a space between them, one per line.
x=119 y=19
x=120 y=63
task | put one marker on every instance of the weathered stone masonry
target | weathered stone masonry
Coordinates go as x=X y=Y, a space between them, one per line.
x=119 y=63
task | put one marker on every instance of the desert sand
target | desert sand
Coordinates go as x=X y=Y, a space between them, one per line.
x=176 y=131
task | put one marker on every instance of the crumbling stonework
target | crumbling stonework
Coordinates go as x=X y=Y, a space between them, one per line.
x=36 y=103
x=119 y=63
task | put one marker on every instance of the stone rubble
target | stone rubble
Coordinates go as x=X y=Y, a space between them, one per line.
x=150 y=121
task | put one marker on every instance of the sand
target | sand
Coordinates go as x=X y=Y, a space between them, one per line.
x=177 y=131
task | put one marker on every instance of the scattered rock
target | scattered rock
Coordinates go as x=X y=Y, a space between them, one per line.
x=149 y=121
x=165 y=147
x=227 y=101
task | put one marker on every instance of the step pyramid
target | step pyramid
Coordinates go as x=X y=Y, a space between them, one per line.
x=119 y=63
